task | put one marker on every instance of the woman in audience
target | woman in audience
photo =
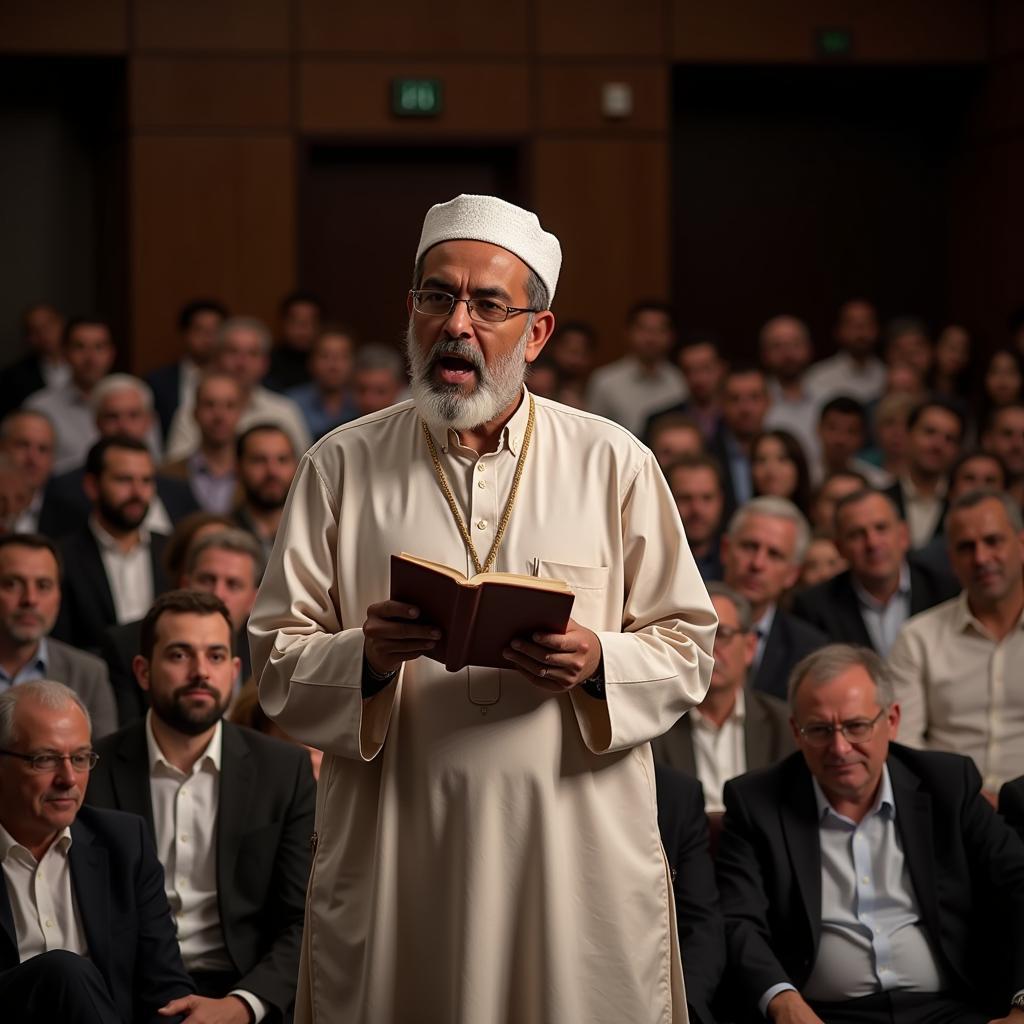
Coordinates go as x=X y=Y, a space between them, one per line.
x=821 y=562
x=890 y=449
x=1002 y=384
x=950 y=374
x=778 y=467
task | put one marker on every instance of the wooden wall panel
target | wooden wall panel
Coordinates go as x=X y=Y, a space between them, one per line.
x=462 y=27
x=633 y=28
x=210 y=92
x=608 y=202
x=350 y=97
x=210 y=216
x=1007 y=27
x=201 y=25
x=570 y=97
x=64 y=26
x=733 y=31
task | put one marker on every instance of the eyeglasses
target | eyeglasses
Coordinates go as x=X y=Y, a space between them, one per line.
x=81 y=760
x=727 y=633
x=487 y=311
x=856 y=730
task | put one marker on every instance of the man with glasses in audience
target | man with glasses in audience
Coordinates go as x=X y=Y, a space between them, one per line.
x=863 y=881
x=86 y=936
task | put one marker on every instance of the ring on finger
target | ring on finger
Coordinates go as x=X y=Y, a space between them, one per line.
x=542 y=673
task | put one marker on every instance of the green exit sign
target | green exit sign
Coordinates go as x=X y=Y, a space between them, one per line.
x=416 y=97
x=834 y=42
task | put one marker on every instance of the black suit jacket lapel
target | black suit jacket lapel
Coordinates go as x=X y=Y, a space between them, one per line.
x=95 y=571
x=130 y=776
x=921 y=595
x=8 y=936
x=757 y=734
x=157 y=543
x=237 y=780
x=772 y=657
x=798 y=815
x=90 y=879
x=847 y=605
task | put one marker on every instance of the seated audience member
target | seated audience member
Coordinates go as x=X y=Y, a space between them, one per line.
x=30 y=572
x=889 y=452
x=823 y=506
x=778 y=468
x=786 y=351
x=114 y=562
x=119 y=644
x=861 y=880
x=246 y=711
x=907 y=343
x=326 y=399
x=242 y=352
x=842 y=433
x=15 y=495
x=378 y=381
x=1004 y=437
x=957 y=666
x=696 y=485
x=703 y=370
x=821 y=562
x=210 y=470
x=950 y=375
x=762 y=552
x=266 y=465
x=1002 y=383
x=643 y=381
x=88 y=937
x=1011 y=804
x=882 y=588
x=683 y=826
x=89 y=351
x=734 y=729
x=543 y=378
x=175 y=385
x=673 y=435
x=301 y=316
x=43 y=364
x=27 y=440
x=231 y=812
x=744 y=405
x=572 y=349
x=123 y=407
x=935 y=430
x=854 y=370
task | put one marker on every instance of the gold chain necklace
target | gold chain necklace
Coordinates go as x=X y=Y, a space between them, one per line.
x=505 y=516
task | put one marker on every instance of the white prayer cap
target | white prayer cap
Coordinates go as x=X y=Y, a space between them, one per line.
x=488 y=219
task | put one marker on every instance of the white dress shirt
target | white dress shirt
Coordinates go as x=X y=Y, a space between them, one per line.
x=185 y=818
x=129 y=573
x=841 y=375
x=922 y=511
x=719 y=752
x=884 y=621
x=42 y=900
x=798 y=416
x=627 y=392
x=960 y=690
x=73 y=422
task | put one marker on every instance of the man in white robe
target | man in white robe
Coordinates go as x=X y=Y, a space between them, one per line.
x=486 y=846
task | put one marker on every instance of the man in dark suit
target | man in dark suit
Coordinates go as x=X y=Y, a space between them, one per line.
x=869 y=602
x=696 y=484
x=228 y=564
x=1011 y=804
x=935 y=431
x=231 y=811
x=863 y=881
x=175 y=384
x=114 y=565
x=43 y=364
x=703 y=369
x=734 y=730
x=684 y=835
x=30 y=574
x=123 y=407
x=762 y=552
x=85 y=931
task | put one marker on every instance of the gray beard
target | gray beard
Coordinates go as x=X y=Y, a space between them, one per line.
x=445 y=406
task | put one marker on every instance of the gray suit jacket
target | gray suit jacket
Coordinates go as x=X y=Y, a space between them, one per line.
x=87 y=676
x=766 y=736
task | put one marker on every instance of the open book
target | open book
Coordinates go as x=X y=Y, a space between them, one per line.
x=479 y=617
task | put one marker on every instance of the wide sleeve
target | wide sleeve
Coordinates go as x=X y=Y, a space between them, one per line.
x=306 y=660
x=908 y=666
x=658 y=665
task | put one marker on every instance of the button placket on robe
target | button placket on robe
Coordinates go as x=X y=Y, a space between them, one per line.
x=483 y=685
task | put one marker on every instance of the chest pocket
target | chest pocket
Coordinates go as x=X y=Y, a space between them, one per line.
x=590 y=585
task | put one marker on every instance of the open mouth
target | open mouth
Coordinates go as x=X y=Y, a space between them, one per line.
x=454 y=369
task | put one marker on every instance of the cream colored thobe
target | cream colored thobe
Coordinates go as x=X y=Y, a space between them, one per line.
x=487 y=852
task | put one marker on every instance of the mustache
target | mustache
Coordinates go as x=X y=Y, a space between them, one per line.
x=199 y=686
